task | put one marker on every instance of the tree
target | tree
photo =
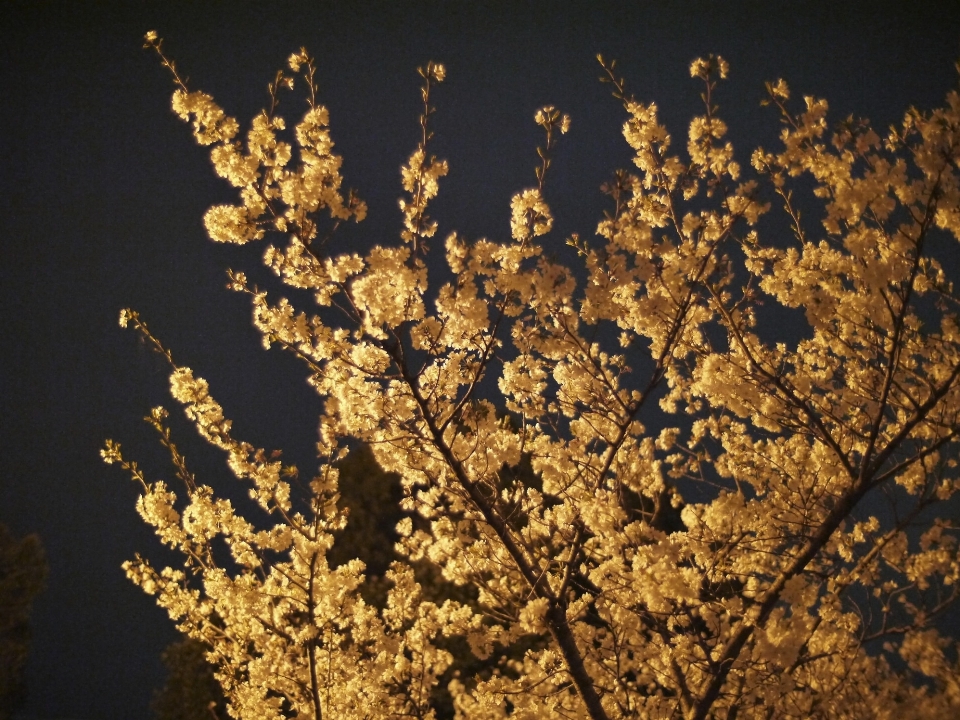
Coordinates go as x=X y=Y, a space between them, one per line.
x=23 y=570
x=811 y=555
x=191 y=691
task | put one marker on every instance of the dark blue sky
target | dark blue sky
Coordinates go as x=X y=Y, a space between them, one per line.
x=102 y=194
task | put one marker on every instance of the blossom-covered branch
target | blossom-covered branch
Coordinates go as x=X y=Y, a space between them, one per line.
x=730 y=563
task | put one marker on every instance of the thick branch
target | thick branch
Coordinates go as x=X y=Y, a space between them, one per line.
x=556 y=615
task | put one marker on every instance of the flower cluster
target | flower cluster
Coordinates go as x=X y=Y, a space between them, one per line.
x=555 y=520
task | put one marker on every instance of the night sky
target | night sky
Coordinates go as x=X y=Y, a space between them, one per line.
x=102 y=192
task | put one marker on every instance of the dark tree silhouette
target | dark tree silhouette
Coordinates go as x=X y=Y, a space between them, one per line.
x=23 y=570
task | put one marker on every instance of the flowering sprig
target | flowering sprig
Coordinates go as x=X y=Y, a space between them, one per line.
x=550 y=119
x=420 y=174
x=273 y=196
x=530 y=214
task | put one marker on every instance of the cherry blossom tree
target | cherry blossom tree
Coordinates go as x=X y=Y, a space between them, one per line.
x=809 y=552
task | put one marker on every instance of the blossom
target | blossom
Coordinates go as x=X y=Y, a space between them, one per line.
x=530 y=215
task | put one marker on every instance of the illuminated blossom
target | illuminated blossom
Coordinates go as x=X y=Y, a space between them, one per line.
x=722 y=562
